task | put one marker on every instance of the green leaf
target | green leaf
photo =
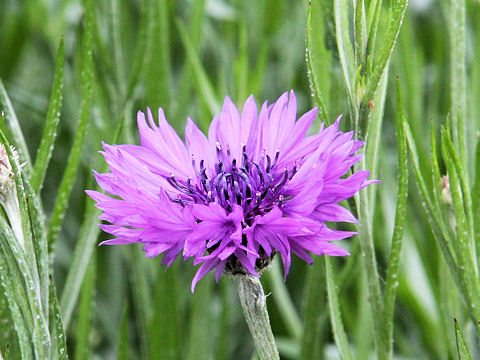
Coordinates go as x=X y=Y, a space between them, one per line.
x=141 y=294
x=318 y=59
x=39 y=241
x=465 y=257
x=462 y=349
x=17 y=300
x=476 y=199
x=50 y=131
x=26 y=292
x=85 y=313
x=200 y=322
x=393 y=268
x=13 y=129
x=73 y=163
x=81 y=258
x=455 y=14
x=224 y=322
x=204 y=86
x=123 y=343
x=284 y=302
x=83 y=250
x=56 y=324
x=434 y=216
x=360 y=33
x=345 y=48
x=335 y=315
x=314 y=316
x=381 y=61
x=183 y=95
x=157 y=55
x=165 y=333
x=240 y=67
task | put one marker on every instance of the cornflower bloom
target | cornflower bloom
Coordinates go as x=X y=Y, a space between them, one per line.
x=256 y=186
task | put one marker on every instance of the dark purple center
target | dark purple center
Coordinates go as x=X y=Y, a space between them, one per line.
x=256 y=187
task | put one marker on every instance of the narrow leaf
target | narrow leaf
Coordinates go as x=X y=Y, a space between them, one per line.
x=56 y=324
x=318 y=58
x=462 y=349
x=381 y=61
x=335 y=315
x=400 y=220
x=85 y=314
x=13 y=128
x=345 y=48
x=204 y=86
x=50 y=131
x=73 y=163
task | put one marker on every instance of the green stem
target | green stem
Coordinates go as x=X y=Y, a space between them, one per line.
x=254 y=304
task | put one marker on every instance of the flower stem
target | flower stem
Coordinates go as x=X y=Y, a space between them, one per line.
x=254 y=306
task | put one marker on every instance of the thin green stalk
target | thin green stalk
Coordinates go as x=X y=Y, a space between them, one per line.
x=399 y=228
x=335 y=315
x=254 y=305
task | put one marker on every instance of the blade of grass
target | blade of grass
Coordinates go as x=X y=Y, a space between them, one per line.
x=462 y=349
x=123 y=343
x=158 y=63
x=345 y=48
x=433 y=215
x=399 y=227
x=85 y=313
x=381 y=61
x=50 y=131
x=224 y=339
x=284 y=302
x=476 y=199
x=40 y=242
x=335 y=315
x=200 y=322
x=164 y=334
x=13 y=129
x=73 y=163
x=141 y=294
x=197 y=11
x=314 y=316
x=17 y=302
x=30 y=304
x=83 y=250
x=360 y=32
x=56 y=324
x=204 y=86
x=318 y=59
x=465 y=258
x=458 y=74
x=29 y=250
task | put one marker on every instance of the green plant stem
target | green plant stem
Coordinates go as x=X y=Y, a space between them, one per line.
x=254 y=304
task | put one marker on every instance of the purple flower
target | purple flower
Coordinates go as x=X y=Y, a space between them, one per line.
x=256 y=186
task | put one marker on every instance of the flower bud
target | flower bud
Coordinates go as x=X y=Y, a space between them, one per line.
x=8 y=193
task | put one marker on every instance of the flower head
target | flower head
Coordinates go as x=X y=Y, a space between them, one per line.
x=256 y=186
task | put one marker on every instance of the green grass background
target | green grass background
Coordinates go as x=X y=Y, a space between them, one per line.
x=185 y=56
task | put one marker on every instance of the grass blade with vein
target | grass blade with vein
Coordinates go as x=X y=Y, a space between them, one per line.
x=399 y=227
x=335 y=315
x=50 y=131
x=318 y=59
x=12 y=127
x=73 y=163
x=85 y=313
x=204 y=86
x=56 y=324
x=462 y=349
